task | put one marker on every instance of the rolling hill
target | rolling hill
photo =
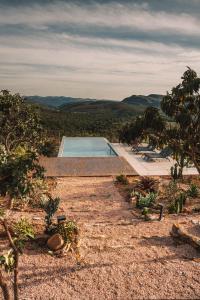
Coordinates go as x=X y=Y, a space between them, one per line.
x=57 y=101
x=116 y=108
x=89 y=117
x=134 y=103
x=141 y=100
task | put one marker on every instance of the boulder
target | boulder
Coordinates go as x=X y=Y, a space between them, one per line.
x=181 y=234
x=55 y=242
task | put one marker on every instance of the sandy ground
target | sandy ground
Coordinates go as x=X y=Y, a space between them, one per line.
x=126 y=258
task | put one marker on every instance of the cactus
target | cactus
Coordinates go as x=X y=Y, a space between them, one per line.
x=180 y=202
x=176 y=172
x=50 y=207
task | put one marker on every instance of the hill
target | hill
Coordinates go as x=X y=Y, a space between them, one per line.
x=90 y=117
x=141 y=100
x=56 y=101
x=116 y=108
x=82 y=104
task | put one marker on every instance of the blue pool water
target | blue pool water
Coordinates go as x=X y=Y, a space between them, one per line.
x=85 y=147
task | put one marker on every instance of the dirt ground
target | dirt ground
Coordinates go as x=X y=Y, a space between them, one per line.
x=126 y=258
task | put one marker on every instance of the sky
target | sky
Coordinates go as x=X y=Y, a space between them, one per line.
x=97 y=49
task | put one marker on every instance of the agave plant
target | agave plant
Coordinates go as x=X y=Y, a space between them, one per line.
x=147 y=184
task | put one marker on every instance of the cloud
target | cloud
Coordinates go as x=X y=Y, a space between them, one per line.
x=133 y=16
x=103 y=50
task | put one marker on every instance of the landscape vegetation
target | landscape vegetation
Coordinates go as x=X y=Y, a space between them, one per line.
x=40 y=220
x=89 y=117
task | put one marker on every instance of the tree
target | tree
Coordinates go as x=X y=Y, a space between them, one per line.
x=181 y=128
x=182 y=106
x=20 y=143
x=18 y=175
x=19 y=123
x=149 y=127
x=132 y=133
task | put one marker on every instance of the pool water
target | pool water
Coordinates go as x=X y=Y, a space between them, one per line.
x=85 y=147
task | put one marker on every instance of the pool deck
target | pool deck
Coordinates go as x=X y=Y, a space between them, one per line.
x=86 y=166
x=144 y=168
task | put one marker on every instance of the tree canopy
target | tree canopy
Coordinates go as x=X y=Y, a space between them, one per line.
x=181 y=128
x=19 y=123
x=20 y=144
x=182 y=106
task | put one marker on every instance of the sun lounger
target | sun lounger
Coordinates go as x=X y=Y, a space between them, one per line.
x=163 y=154
x=143 y=149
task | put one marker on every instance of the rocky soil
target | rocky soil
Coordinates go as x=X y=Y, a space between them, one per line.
x=125 y=257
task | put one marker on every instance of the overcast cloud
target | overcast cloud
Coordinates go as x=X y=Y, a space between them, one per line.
x=97 y=49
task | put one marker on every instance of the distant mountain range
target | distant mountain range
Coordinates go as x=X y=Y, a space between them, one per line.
x=58 y=101
x=91 y=105
x=150 y=100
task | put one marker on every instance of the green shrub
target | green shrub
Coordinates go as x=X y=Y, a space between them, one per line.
x=145 y=211
x=68 y=230
x=70 y=234
x=23 y=231
x=146 y=201
x=122 y=179
x=193 y=191
x=7 y=261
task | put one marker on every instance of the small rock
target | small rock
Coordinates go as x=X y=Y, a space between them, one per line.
x=36 y=218
x=151 y=217
x=55 y=242
x=195 y=222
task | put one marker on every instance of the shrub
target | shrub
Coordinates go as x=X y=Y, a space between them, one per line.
x=193 y=191
x=24 y=231
x=68 y=230
x=147 y=184
x=145 y=211
x=146 y=201
x=70 y=234
x=9 y=262
x=122 y=179
x=171 y=191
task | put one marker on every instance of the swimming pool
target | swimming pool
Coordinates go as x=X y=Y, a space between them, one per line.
x=85 y=147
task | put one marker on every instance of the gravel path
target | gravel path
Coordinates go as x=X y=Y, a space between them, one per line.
x=125 y=257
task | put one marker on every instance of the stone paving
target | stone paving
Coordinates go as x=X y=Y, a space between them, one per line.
x=144 y=168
